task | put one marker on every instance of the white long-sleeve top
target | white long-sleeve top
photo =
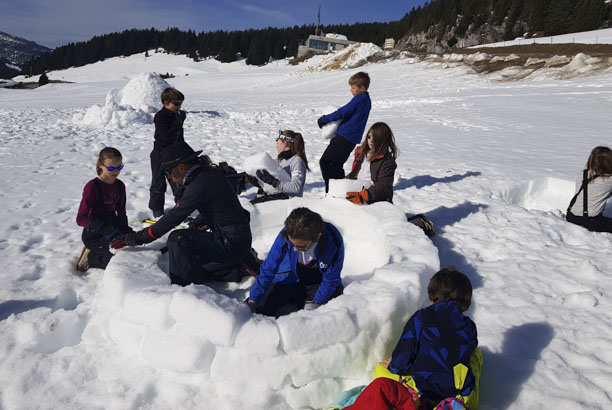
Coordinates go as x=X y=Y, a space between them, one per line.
x=295 y=167
x=599 y=190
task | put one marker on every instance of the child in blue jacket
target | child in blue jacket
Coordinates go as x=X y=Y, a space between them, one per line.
x=354 y=116
x=437 y=357
x=302 y=269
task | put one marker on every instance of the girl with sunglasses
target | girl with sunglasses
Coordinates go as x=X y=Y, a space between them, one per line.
x=102 y=211
x=291 y=157
x=375 y=161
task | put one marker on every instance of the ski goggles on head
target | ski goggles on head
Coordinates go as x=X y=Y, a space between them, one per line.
x=284 y=137
x=119 y=168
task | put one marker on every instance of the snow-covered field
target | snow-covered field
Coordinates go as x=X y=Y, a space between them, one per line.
x=491 y=163
x=586 y=37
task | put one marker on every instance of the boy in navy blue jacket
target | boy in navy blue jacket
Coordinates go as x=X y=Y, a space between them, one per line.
x=168 y=130
x=437 y=355
x=354 y=116
x=302 y=269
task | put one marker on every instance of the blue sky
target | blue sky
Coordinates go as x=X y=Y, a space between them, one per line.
x=56 y=22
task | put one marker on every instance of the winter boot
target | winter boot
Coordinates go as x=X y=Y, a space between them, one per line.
x=424 y=223
x=83 y=263
x=252 y=263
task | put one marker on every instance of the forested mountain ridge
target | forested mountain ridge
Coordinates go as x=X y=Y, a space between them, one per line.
x=437 y=26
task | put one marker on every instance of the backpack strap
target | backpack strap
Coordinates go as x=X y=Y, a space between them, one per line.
x=585 y=182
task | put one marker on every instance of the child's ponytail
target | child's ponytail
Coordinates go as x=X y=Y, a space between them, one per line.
x=106 y=153
x=299 y=148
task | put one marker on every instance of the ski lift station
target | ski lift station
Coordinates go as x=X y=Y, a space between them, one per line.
x=324 y=43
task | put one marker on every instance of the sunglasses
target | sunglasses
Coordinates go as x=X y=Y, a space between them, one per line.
x=284 y=137
x=119 y=168
x=177 y=103
x=301 y=248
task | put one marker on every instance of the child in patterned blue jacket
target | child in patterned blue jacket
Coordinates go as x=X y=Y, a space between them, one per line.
x=354 y=116
x=302 y=269
x=437 y=355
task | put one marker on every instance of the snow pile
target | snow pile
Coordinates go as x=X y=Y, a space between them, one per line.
x=307 y=357
x=352 y=56
x=263 y=160
x=545 y=194
x=135 y=103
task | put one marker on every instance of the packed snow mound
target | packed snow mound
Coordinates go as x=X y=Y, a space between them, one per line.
x=544 y=194
x=136 y=102
x=307 y=357
x=352 y=56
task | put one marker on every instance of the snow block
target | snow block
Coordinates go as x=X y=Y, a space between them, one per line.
x=259 y=335
x=208 y=314
x=339 y=187
x=329 y=130
x=127 y=336
x=305 y=331
x=177 y=350
x=263 y=160
x=127 y=272
x=247 y=369
x=314 y=395
x=149 y=307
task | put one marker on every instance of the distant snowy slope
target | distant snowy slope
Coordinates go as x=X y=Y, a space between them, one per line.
x=603 y=36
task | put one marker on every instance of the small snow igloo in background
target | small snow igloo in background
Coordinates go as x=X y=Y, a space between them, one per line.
x=143 y=92
x=136 y=102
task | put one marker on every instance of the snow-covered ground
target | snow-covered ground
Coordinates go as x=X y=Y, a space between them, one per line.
x=586 y=37
x=491 y=163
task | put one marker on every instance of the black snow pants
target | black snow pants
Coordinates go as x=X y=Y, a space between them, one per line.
x=198 y=256
x=333 y=159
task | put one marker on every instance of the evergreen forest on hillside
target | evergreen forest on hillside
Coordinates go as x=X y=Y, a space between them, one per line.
x=435 y=19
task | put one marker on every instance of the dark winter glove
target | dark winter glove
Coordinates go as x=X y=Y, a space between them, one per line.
x=198 y=222
x=358 y=198
x=181 y=116
x=320 y=122
x=251 y=179
x=106 y=230
x=132 y=239
x=310 y=305
x=251 y=305
x=266 y=177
